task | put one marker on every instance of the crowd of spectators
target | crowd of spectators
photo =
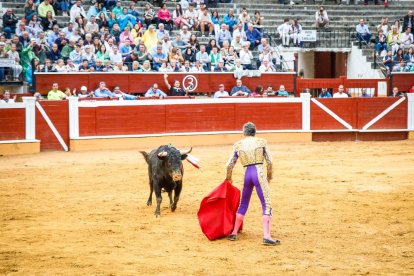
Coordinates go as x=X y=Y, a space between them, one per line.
x=109 y=36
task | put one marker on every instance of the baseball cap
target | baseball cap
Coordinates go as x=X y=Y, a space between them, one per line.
x=84 y=88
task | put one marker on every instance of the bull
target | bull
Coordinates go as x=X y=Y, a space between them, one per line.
x=165 y=171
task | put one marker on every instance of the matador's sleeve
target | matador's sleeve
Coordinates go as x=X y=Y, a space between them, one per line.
x=232 y=162
x=268 y=159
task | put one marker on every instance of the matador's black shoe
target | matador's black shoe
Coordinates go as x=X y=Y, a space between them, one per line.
x=270 y=242
x=232 y=237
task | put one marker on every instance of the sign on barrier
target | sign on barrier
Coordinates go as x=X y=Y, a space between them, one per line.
x=7 y=62
x=308 y=35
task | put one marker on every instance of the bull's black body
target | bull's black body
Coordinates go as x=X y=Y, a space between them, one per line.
x=165 y=171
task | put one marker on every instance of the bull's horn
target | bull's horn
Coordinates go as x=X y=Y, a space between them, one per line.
x=162 y=154
x=183 y=152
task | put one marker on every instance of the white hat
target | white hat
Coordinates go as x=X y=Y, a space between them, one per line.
x=84 y=88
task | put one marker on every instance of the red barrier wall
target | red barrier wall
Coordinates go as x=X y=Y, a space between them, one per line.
x=12 y=124
x=141 y=82
x=403 y=81
x=158 y=119
x=59 y=115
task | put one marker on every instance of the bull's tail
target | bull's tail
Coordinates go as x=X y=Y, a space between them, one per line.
x=145 y=154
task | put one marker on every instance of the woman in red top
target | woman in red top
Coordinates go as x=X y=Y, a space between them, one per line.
x=164 y=16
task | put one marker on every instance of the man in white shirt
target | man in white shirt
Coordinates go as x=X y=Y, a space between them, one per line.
x=340 y=93
x=115 y=56
x=204 y=20
x=407 y=39
x=77 y=10
x=192 y=16
x=161 y=32
x=240 y=31
x=246 y=57
x=284 y=31
x=266 y=67
x=321 y=18
x=203 y=57
x=221 y=92
x=92 y=27
x=185 y=34
x=362 y=32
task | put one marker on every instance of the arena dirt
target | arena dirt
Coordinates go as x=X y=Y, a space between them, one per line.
x=339 y=208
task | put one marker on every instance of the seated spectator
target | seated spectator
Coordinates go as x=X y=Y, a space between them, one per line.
x=107 y=66
x=55 y=93
x=203 y=58
x=205 y=22
x=237 y=43
x=394 y=40
x=230 y=20
x=409 y=59
x=340 y=93
x=220 y=67
x=142 y=54
x=240 y=31
x=362 y=32
x=70 y=66
x=7 y=99
x=45 y=7
x=120 y=67
x=175 y=54
x=191 y=15
x=154 y=92
x=48 y=67
x=193 y=41
x=125 y=48
x=321 y=18
x=136 y=33
x=158 y=57
x=282 y=92
x=76 y=56
x=166 y=44
x=409 y=20
x=258 y=21
x=396 y=93
x=244 y=18
x=123 y=96
x=185 y=35
x=267 y=67
x=269 y=91
x=388 y=60
x=17 y=68
x=76 y=11
x=150 y=38
x=83 y=93
x=399 y=61
x=229 y=58
x=258 y=92
x=149 y=16
x=214 y=57
x=221 y=92
x=161 y=32
x=98 y=67
x=364 y=93
x=284 y=31
x=238 y=67
x=103 y=92
x=85 y=66
x=175 y=90
x=164 y=16
x=115 y=56
x=146 y=66
x=296 y=33
x=240 y=89
x=223 y=35
x=246 y=57
x=197 y=67
x=35 y=24
x=102 y=53
x=380 y=42
x=88 y=54
x=253 y=36
x=9 y=23
x=30 y=9
x=60 y=66
x=407 y=39
x=325 y=94
x=179 y=43
x=189 y=54
x=384 y=26
x=186 y=67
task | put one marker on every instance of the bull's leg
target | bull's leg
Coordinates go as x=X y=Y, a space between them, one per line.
x=157 y=191
x=170 y=196
x=177 y=192
x=149 y=202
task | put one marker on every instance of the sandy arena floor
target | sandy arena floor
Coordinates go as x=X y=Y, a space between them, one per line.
x=339 y=208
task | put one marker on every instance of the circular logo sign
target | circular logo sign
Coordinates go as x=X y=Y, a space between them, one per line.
x=190 y=83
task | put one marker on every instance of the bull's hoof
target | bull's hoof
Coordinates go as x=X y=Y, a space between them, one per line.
x=157 y=214
x=173 y=207
x=149 y=203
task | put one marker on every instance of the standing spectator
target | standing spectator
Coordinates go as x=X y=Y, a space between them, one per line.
x=230 y=20
x=362 y=32
x=340 y=93
x=9 y=23
x=240 y=89
x=409 y=21
x=76 y=11
x=321 y=18
x=394 y=40
x=55 y=93
x=45 y=7
x=216 y=22
x=284 y=32
x=380 y=42
x=221 y=92
x=164 y=16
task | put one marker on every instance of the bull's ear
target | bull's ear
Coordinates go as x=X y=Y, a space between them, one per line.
x=162 y=155
x=184 y=156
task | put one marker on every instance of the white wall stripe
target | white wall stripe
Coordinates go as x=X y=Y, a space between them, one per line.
x=332 y=114
x=410 y=111
x=30 y=117
x=52 y=126
x=385 y=112
x=12 y=105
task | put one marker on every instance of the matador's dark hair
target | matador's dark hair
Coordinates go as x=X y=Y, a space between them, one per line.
x=249 y=129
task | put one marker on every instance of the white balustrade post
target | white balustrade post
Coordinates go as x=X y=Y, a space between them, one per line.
x=73 y=117
x=30 y=117
x=305 y=97
x=410 y=111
